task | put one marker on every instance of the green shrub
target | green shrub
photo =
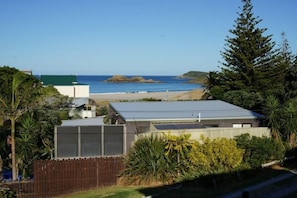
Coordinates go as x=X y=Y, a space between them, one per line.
x=7 y=193
x=222 y=155
x=169 y=158
x=102 y=111
x=259 y=150
x=146 y=163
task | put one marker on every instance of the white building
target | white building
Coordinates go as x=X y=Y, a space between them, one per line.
x=67 y=85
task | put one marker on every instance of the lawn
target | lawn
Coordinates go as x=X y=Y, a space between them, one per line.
x=110 y=192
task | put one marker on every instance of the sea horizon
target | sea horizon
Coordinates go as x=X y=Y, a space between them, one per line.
x=98 y=84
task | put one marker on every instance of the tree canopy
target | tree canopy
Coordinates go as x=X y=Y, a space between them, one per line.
x=29 y=113
x=250 y=63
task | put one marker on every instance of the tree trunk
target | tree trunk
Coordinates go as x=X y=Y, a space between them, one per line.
x=13 y=160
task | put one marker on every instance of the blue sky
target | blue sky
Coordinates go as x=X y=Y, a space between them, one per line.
x=129 y=37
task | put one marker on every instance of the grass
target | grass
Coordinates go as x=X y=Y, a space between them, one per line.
x=189 y=190
x=110 y=192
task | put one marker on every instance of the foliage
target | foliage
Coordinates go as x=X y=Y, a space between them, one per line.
x=146 y=162
x=125 y=79
x=19 y=93
x=273 y=112
x=171 y=158
x=259 y=150
x=243 y=98
x=52 y=109
x=102 y=111
x=291 y=81
x=26 y=149
x=255 y=75
x=282 y=119
x=177 y=149
x=222 y=155
x=196 y=76
x=283 y=89
x=7 y=193
x=150 y=99
x=4 y=148
x=30 y=113
x=250 y=63
x=289 y=122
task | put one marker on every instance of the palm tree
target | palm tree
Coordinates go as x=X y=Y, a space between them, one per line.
x=19 y=99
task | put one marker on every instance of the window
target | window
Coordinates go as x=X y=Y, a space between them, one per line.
x=247 y=125
x=244 y=125
x=237 y=125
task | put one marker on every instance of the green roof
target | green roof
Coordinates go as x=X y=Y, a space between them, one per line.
x=58 y=79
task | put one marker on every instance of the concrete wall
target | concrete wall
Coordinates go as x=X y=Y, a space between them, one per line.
x=213 y=133
x=230 y=122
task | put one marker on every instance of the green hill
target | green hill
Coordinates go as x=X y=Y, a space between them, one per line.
x=196 y=76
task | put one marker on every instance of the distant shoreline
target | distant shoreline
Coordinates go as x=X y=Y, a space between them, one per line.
x=136 y=95
x=167 y=95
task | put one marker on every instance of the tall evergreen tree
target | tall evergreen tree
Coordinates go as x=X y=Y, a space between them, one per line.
x=291 y=81
x=285 y=64
x=249 y=59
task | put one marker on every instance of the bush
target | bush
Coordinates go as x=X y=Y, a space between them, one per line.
x=155 y=159
x=146 y=163
x=259 y=150
x=7 y=193
x=102 y=111
x=222 y=155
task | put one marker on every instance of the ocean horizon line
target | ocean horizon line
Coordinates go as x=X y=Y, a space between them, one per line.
x=140 y=92
x=98 y=85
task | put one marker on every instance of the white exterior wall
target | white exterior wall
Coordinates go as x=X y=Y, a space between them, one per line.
x=213 y=133
x=82 y=91
x=78 y=91
x=88 y=113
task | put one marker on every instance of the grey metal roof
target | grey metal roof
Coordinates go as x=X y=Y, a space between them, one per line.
x=64 y=80
x=181 y=110
x=58 y=79
x=77 y=102
x=84 y=122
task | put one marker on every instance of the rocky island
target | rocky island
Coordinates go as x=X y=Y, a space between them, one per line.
x=125 y=79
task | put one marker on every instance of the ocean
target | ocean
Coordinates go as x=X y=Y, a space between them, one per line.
x=165 y=83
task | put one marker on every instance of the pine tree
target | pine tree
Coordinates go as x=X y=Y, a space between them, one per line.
x=291 y=81
x=249 y=59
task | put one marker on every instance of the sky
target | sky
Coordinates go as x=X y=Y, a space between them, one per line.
x=129 y=37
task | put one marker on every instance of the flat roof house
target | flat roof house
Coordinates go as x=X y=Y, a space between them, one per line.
x=129 y=120
x=66 y=85
x=207 y=116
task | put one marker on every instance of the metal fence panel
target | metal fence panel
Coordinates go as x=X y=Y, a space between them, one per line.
x=113 y=140
x=67 y=141
x=91 y=141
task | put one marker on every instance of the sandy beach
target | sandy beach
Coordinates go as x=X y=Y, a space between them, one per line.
x=175 y=95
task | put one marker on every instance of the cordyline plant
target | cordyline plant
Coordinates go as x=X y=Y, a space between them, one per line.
x=146 y=162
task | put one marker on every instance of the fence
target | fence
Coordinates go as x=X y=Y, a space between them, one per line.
x=58 y=177
x=89 y=141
